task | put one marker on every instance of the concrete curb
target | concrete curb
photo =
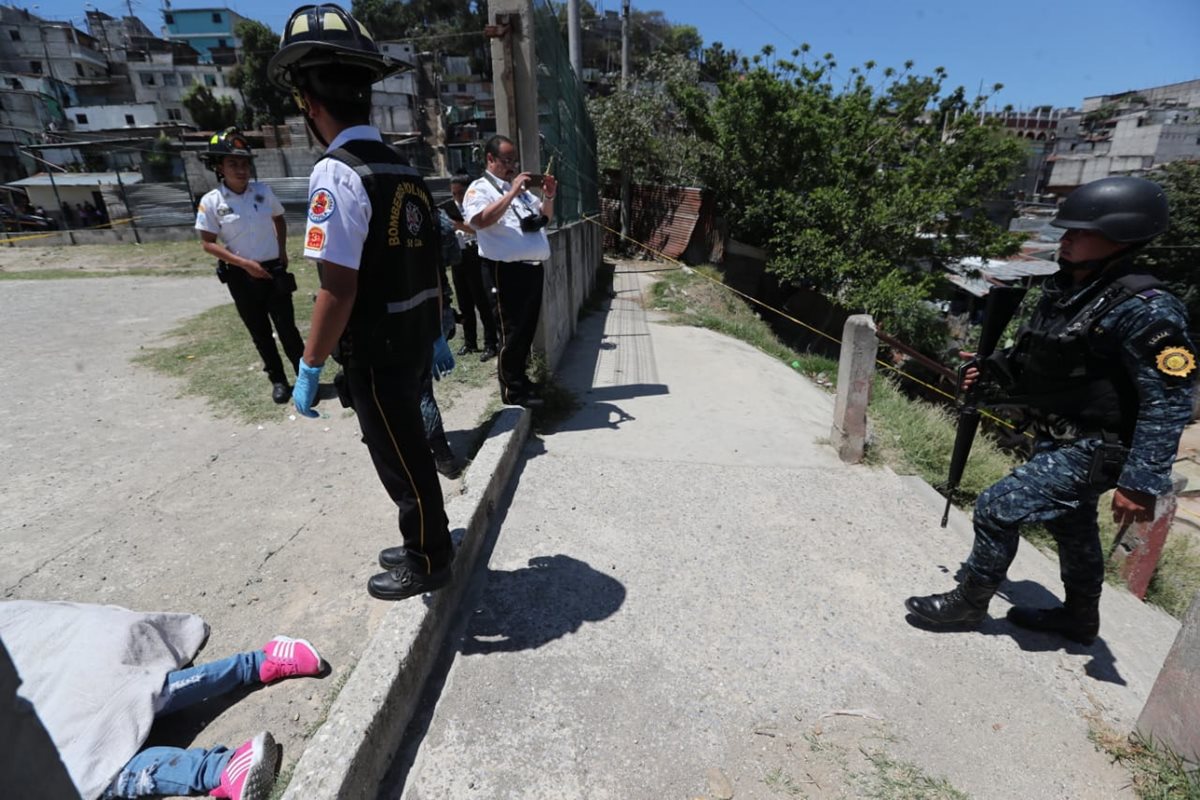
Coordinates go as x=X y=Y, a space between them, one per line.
x=352 y=750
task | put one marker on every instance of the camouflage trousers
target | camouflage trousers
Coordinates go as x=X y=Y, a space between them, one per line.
x=1052 y=488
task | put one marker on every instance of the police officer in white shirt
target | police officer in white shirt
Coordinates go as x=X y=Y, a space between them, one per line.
x=241 y=223
x=510 y=226
x=373 y=229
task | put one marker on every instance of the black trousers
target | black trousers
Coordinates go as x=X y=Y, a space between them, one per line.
x=259 y=303
x=518 y=304
x=473 y=296
x=387 y=401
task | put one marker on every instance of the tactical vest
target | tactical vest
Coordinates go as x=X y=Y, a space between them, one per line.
x=396 y=318
x=1059 y=375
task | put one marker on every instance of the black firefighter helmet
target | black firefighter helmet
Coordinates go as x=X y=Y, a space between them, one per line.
x=1123 y=209
x=229 y=142
x=321 y=35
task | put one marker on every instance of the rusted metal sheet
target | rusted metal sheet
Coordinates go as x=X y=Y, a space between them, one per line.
x=668 y=219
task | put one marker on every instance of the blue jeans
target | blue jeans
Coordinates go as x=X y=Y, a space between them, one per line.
x=173 y=770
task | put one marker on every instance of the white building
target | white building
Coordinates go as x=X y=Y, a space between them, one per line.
x=163 y=81
x=113 y=117
x=395 y=102
x=1127 y=134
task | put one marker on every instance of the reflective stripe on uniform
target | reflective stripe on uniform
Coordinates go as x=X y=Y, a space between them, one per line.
x=401 y=306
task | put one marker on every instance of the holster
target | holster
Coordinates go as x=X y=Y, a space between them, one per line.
x=222 y=272
x=1108 y=460
x=342 y=384
x=284 y=281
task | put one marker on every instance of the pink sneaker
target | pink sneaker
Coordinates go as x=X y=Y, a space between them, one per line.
x=289 y=658
x=250 y=772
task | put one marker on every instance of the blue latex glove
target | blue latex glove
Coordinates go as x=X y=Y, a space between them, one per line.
x=308 y=380
x=443 y=359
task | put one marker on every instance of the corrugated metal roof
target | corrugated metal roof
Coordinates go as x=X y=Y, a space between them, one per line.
x=78 y=179
x=665 y=218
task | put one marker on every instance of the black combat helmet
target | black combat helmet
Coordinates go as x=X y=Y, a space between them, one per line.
x=229 y=142
x=325 y=34
x=1123 y=209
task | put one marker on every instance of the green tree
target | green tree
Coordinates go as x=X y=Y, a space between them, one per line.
x=208 y=112
x=864 y=189
x=1175 y=256
x=264 y=104
x=390 y=19
x=648 y=128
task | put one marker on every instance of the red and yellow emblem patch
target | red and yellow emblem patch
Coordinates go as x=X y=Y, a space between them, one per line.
x=1177 y=362
x=315 y=239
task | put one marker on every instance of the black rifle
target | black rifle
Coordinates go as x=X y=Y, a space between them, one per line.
x=1002 y=304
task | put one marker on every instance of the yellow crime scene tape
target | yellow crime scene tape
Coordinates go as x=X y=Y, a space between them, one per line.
x=785 y=315
x=24 y=237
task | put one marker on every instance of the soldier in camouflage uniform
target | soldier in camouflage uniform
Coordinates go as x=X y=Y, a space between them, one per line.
x=1102 y=373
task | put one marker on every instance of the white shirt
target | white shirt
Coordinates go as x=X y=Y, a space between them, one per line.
x=244 y=222
x=504 y=240
x=339 y=210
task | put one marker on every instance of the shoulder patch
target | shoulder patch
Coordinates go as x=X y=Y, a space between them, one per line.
x=321 y=205
x=1178 y=362
x=470 y=193
x=314 y=239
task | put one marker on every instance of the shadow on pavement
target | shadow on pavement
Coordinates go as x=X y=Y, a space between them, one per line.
x=1101 y=667
x=526 y=608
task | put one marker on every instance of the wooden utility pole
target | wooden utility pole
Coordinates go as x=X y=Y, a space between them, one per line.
x=626 y=184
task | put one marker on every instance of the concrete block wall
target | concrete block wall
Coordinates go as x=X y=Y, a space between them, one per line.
x=576 y=253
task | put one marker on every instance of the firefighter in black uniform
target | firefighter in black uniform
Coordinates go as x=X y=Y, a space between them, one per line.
x=373 y=229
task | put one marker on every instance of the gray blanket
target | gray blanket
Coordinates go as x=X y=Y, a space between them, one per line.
x=94 y=674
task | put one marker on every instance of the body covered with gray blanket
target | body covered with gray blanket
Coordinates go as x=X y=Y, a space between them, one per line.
x=94 y=675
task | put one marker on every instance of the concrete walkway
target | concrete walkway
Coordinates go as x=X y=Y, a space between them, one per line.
x=690 y=596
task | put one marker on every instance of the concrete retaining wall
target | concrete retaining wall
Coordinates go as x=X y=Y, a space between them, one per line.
x=575 y=257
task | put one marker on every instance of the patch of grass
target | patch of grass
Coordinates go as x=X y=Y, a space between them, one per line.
x=137 y=272
x=893 y=779
x=780 y=782
x=917 y=437
x=1177 y=579
x=213 y=356
x=1157 y=773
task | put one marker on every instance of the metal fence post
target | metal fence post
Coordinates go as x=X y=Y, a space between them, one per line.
x=856 y=368
x=128 y=209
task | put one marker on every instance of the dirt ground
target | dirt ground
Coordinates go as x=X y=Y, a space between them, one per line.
x=117 y=490
x=105 y=258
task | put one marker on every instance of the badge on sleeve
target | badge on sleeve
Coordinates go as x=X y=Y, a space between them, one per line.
x=1178 y=362
x=315 y=239
x=320 y=205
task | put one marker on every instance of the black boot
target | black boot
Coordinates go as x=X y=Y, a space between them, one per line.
x=1078 y=619
x=445 y=461
x=280 y=392
x=403 y=582
x=965 y=605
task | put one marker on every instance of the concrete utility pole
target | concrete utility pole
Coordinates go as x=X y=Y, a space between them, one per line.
x=575 y=38
x=626 y=185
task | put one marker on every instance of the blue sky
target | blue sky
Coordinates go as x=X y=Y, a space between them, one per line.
x=1055 y=52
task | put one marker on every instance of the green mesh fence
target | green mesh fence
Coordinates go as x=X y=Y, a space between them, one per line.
x=566 y=128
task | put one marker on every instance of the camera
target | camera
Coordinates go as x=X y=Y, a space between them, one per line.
x=535 y=180
x=534 y=224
